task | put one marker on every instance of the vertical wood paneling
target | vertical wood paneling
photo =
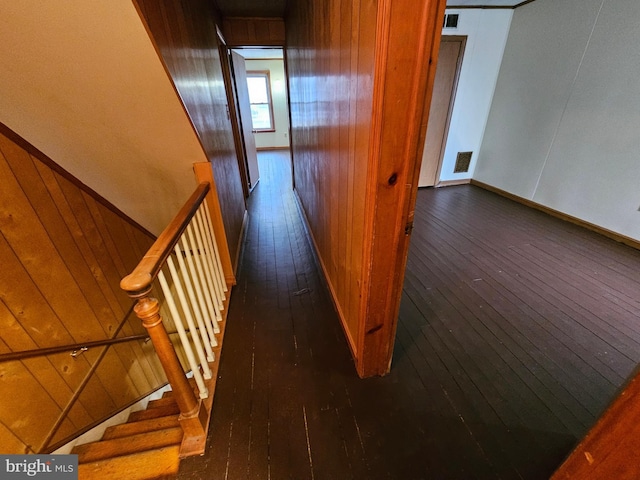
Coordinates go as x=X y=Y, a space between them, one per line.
x=355 y=149
x=330 y=66
x=63 y=251
x=254 y=31
x=185 y=35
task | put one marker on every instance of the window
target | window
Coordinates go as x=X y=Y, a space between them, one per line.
x=260 y=99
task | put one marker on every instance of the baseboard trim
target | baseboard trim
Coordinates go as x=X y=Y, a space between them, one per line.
x=631 y=242
x=325 y=277
x=266 y=149
x=240 y=248
x=453 y=183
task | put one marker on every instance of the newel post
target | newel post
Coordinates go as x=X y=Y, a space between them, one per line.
x=192 y=416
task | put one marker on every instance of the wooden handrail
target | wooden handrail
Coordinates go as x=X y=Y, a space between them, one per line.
x=39 y=352
x=193 y=415
x=139 y=281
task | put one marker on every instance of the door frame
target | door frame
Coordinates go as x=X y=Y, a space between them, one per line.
x=443 y=144
x=406 y=52
x=232 y=111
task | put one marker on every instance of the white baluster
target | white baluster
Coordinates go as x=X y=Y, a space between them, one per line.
x=194 y=305
x=198 y=288
x=183 y=335
x=208 y=260
x=202 y=258
x=218 y=261
x=203 y=282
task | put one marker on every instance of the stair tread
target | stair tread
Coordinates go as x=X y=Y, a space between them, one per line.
x=161 y=402
x=157 y=412
x=104 y=449
x=146 y=465
x=142 y=426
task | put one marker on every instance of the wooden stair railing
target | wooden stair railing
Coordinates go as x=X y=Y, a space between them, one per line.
x=194 y=293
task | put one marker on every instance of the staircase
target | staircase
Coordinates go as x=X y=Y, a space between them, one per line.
x=146 y=447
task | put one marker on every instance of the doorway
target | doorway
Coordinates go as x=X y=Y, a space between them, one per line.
x=258 y=81
x=444 y=92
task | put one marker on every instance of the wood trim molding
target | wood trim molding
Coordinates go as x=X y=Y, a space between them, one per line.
x=407 y=39
x=266 y=149
x=610 y=448
x=452 y=183
x=631 y=242
x=33 y=151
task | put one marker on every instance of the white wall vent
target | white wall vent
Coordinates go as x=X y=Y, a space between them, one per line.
x=451 y=20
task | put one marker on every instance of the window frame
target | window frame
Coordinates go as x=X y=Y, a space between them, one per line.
x=266 y=75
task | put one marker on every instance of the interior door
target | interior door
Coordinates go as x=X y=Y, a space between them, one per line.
x=449 y=61
x=244 y=114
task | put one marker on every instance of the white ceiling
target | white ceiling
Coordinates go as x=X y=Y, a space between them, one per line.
x=257 y=53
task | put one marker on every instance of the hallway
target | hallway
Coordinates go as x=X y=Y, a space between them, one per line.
x=288 y=401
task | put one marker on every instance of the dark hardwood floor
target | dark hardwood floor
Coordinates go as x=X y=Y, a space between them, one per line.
x=515 y=331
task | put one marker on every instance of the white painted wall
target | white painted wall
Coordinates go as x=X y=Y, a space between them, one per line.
x=279 y=138
x=563 y=128
x=486 y=32
x=82 y=82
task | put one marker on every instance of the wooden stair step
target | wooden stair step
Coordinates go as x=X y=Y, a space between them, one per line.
x=161 y=402
x=160 y=463
x=142 y=426
x=165 y=411
x=104 y=449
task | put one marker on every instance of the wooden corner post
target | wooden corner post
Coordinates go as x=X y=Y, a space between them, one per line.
x=193 y=416
x=407 y=41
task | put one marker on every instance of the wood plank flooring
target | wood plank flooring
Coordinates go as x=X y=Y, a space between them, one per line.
x=515 y=331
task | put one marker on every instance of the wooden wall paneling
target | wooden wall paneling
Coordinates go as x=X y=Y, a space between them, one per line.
x=60 y=384
x=387 y=70
x=405 y=41
x=113 y=234
x=33 y=187
x=116 y=379
x=97 y=397
x=62 y=251
x=363 y=61
x=84 y=229
x=242 y=31
x=117 y=303
x=4 y=348
x=14 y=334
x=344 y=17
x=118 y=248
x=330 y=65
x=29 y=417
x=29 y=241
x=10 y=442
x=27 y=305
x=185 y=36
